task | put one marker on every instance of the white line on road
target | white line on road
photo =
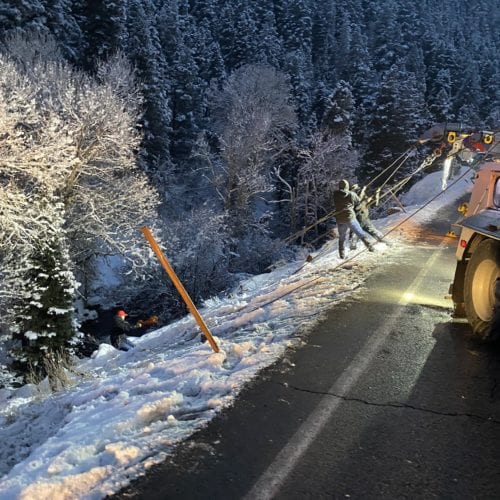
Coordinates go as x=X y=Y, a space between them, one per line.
x=275 y=475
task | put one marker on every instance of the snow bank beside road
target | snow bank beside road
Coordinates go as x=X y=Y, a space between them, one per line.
x=129 y=410
x=430 y=186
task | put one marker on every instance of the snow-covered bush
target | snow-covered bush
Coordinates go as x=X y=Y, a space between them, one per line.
x=197 y=247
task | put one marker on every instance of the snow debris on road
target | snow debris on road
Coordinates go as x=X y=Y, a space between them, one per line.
x=127 y=410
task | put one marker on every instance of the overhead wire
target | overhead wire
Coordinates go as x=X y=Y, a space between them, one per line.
x=400 y=184
x=390 y=191
x=404 y=156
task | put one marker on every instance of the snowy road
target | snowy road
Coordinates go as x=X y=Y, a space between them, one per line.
x=389 y=398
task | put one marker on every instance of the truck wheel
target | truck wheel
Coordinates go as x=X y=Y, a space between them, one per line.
x=479 y=285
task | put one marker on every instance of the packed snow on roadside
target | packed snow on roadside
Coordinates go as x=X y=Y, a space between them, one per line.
x=127 y=410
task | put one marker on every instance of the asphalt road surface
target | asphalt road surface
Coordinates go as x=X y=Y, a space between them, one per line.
x=390 y=398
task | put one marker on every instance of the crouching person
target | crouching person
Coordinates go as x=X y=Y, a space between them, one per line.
x=122 y=328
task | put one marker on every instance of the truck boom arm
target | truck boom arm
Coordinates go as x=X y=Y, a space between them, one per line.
x=454 y=139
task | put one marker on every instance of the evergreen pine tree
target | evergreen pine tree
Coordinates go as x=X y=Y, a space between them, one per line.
x=443 y=77
x=181 y=42
x=344 y=40
x=270 y=47
x=398 y=115
x=297 y=27
x=226 y=34
x=383 y=32
x=338 y=118
x=364 y=83
x=441 y=104
x=62 y=23
x=207 y=54
x=468 y=103
x=185 y=102
x=279 y=9
x=237 y=34
x=299 y=67
x=21 y=16
x=323 y=43
x=43 y=285
x=492 y=118
x=144 y=50
x=205 y=11
x=103 y=24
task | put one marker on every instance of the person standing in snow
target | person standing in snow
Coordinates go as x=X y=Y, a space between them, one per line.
x=363 y=216
x=345 y=201
x=122 y=328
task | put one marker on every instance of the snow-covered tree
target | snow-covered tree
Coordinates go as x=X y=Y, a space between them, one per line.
x=39 y=288
x=492 y=118
x=143 y=48
x=441 y=103
x=207 y=54
x=21 y=16
x=323 y=42
x=328 y=159
x=103 y=25
x=253 y=122
x=270 y=47
x=382 y=23
x=253 y=117
x=298 y=66
x=69 y=187
x=345 y=38
x=399 y=111
x=338 y=118
x=179 y=42
x=297 y=29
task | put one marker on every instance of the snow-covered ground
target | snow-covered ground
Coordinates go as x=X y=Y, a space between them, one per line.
x=127 y=411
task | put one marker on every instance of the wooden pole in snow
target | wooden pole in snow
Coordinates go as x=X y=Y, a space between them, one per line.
x=180 y=287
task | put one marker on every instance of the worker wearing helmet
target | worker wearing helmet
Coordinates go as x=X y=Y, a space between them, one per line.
x=121 y=329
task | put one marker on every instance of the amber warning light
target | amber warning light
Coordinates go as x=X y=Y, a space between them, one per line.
x=463 y=243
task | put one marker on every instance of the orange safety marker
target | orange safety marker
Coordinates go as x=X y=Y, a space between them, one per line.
x=180 y=287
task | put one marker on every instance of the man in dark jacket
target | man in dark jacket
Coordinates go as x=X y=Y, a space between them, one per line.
x=345 y=201
x=121 y=329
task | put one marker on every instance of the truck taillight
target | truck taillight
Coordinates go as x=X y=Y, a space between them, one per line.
x=463 y=243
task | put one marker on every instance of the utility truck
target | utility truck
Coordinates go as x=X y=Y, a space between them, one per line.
x=475 y=290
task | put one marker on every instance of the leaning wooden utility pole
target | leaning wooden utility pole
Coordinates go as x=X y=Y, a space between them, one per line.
x=180 y=287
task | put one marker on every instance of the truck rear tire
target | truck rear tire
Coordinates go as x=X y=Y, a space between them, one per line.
x=479 y=285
